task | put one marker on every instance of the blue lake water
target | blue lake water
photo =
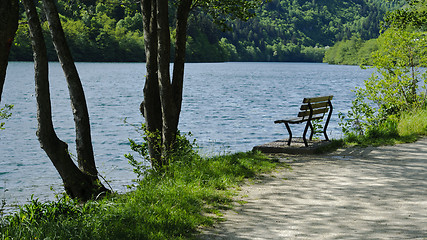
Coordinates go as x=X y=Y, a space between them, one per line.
x=228 y=107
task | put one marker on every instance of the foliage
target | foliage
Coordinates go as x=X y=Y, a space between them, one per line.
x=98 y=32
x=383 y=111
x=407 y=128
x=351 y=52
x=392 y=89
x=182 y=150
x=317 y=128
x=398 y=63
x=413 y=123
x=141 y=168
x=222 y=11
x=285 y=30
x=414 y=14
x=282 y=30
x=5 y=114
x=168 y=205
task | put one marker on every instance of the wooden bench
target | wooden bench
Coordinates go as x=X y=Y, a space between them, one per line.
x=311 y=109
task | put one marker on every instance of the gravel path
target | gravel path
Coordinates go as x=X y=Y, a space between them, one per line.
x=355 y=193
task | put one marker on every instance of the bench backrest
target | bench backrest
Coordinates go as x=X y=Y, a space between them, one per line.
x=315 y=107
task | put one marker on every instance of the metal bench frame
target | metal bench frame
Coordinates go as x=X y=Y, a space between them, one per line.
x=311 y=109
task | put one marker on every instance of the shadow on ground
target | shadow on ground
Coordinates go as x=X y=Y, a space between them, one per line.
x=355 y=193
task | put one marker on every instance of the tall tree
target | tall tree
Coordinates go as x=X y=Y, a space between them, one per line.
x=80 y=182
x=162 y=94
x=414 y=14
x=8 y=25
x=85 y=156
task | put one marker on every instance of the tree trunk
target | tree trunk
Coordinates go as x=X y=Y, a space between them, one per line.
x=165 y=86
x=151 y=108
x=85 y=155
x=170 y=92
x=8 y=25
x=184 y=8
x=163 y=98
x=77 y=183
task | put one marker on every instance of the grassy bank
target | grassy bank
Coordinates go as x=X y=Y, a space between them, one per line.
x=172 y=205
x=405 y=128
x=175 y=204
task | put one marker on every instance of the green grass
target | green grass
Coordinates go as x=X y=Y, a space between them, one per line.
x=407 y=128
x=172 y=205
x=176 y=203
x=414 y=123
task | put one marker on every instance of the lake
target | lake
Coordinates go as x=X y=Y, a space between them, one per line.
x=228 y=107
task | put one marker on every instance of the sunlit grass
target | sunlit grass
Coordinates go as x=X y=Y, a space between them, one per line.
x=171 y=205
x=404 y=129
x=413 y=123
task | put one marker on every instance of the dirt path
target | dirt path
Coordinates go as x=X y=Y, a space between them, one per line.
x=367 y=193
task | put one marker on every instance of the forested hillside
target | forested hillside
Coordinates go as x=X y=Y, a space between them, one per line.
x=284 y=30
x=300 y=30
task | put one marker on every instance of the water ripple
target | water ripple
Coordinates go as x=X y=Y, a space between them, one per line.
x=228 y=107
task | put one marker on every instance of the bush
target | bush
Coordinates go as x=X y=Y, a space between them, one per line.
x=393 y=88
x=384 y=110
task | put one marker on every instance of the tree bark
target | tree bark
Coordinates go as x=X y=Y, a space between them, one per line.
x=77 y=183
x=85 y=155
x=8 y=25
x=165 y=86
x=151 y=108
x=163 y=97
x=170 y=92
x=183 y=12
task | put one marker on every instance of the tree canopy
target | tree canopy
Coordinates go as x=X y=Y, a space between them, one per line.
x=413 y=14
x=283 y=30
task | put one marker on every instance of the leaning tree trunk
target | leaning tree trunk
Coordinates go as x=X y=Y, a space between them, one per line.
x=8 y=25
x=85 y=155
x=151 y=108
x=77 y=183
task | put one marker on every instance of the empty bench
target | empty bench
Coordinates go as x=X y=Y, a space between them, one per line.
x=311 y=109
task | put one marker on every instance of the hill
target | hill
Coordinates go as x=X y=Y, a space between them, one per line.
x=284 y=30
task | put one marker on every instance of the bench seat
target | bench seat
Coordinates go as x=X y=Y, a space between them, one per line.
x=297 y=120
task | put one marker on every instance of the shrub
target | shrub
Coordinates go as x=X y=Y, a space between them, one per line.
x=393 y=88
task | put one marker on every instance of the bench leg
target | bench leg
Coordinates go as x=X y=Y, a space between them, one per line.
x=326 y=136
x=305 y=133
x=326 y=127
x=327 y=120
x=290 y=133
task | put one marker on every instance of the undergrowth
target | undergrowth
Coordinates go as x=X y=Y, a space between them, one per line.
x=169 y=205
x=408 y=127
